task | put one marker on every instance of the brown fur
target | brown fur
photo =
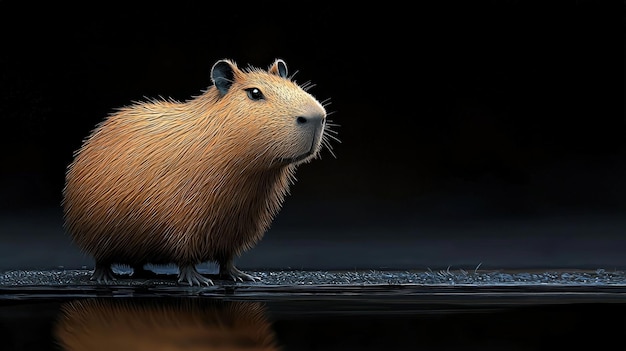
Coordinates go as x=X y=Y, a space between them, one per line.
x=187 y=324
x=188 y=182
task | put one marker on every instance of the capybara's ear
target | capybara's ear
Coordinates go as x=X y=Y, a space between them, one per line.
x=279 y=67
x=223 y=75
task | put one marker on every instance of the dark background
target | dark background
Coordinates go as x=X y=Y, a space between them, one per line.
x=472 y=133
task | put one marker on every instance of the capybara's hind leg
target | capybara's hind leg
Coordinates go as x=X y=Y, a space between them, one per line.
x=103 y=273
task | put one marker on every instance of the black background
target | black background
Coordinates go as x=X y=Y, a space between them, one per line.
x=472 y=132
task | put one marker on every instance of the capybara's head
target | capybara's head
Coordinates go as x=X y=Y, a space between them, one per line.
x=282 y=123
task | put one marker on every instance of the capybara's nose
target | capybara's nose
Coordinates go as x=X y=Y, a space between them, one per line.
x=315 y=120
x=312 y=117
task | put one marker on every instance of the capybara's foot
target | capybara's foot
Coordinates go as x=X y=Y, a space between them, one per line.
x=103 y=274
x=229 y=271
x=188 y=274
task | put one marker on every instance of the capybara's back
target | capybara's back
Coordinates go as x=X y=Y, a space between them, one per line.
x=165 y=182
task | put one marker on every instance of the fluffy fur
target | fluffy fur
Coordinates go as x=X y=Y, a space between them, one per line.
x=187 y=182
x=179 y=324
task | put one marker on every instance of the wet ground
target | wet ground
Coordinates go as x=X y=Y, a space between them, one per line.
x=166 y=277
x=316 y=310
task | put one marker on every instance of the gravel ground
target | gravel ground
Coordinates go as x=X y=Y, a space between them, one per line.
x=600 y=277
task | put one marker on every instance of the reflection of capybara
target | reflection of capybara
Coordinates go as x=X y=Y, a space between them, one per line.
x=179 y=324
x=164 y=182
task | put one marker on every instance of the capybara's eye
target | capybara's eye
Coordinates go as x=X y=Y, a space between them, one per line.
x=255 y=94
